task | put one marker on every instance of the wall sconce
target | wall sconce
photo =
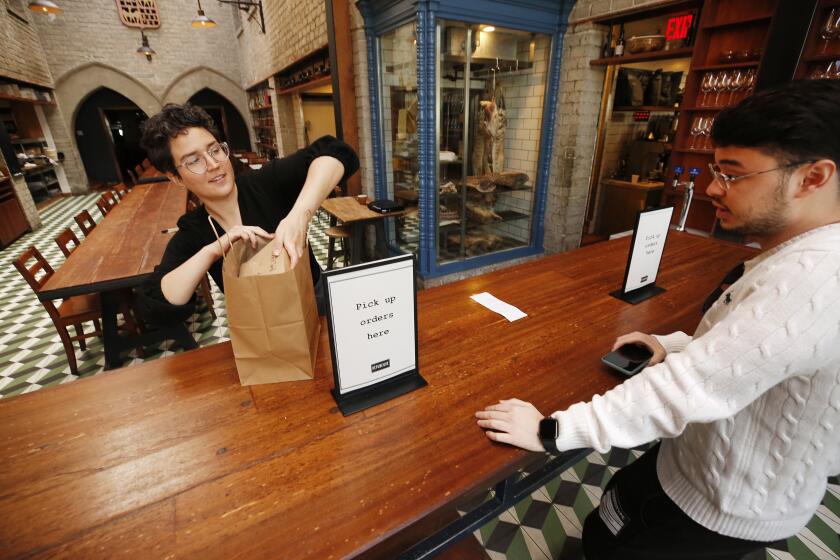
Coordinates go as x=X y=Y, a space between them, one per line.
x=202 y=20
x=44 y=7
x=245 y=5
x=145 y=49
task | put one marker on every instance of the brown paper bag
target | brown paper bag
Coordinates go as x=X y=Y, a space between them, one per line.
x=272 y=316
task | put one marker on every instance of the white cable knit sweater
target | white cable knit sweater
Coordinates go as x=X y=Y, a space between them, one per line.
x=749 y=408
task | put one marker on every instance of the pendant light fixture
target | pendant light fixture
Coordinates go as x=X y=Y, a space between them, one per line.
x=202 y=20
x=145 y=49
x=44 y=7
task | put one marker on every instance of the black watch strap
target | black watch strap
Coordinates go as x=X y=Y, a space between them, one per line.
x=549 y=430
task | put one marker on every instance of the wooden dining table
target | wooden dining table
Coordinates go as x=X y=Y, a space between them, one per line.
x=350 y=212
x=175 y=459
x=121 y=252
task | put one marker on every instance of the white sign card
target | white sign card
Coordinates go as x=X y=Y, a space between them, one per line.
x=646 y=250
x=372 y=319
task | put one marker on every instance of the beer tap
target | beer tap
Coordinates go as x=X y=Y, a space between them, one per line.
x=688 y=193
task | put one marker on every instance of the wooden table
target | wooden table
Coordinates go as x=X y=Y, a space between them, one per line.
x=174 y=458
x=121 y=252
x=348 y=211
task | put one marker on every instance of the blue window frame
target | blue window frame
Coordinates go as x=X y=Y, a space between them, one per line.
x=390 y=18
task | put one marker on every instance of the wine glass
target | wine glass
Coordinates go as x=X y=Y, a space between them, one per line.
x=706 y=86
x=722 y=85
x=749 y=86
x=694 y=131
x=830 y=29
x=736 y=83
x=706 y=132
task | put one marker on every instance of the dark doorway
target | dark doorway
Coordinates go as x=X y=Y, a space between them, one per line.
x=107 y=132
x=230 y=123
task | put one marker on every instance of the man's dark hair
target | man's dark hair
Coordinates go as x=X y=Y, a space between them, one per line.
x=797 y=121
x=172 y=120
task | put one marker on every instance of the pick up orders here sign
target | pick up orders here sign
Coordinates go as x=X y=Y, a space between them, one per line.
x=373 y=327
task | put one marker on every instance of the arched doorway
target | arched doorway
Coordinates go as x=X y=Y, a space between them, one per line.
x=230 y=123
x=107 y=129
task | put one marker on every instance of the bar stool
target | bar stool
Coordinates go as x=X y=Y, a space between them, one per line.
x=342 y=234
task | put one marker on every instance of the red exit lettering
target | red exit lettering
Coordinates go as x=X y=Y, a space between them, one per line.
x=678 y=27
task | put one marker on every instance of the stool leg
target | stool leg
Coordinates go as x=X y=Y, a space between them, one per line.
x=331 y=253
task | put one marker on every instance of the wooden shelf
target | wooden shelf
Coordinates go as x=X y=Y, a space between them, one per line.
x=26 y=100
x=261 y=108
x=684 y=52
x=264 y=145
x=688 y=151
x=739 y=21
x=322 y=81
x=709 y=108
x=651 y=108
x=825 y=57
x=726 y=65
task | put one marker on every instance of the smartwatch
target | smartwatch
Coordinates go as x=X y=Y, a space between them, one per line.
x=549 y=431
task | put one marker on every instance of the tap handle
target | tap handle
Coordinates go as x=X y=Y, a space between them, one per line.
x=694 y=172
x=678 y=170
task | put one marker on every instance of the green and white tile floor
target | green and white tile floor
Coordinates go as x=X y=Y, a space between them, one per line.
x=545 y=525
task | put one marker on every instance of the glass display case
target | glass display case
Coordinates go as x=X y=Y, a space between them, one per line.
x=491 y=86
x=459 y=95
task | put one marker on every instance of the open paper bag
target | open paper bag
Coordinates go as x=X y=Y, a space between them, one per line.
x=272 y=316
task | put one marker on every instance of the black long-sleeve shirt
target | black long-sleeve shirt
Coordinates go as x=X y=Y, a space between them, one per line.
x=265 y=197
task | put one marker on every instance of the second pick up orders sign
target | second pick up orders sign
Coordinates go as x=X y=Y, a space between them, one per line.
x=372 y=319
x=646 y=249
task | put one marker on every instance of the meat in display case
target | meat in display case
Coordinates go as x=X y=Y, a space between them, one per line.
x=491 y=87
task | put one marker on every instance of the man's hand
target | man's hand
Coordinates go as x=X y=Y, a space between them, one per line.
x=247 y=233
x=512 y=421
x=642 y=339
x=291 y=235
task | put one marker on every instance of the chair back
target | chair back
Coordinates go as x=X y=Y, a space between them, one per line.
x=110 y=199
x=146 y=163
x=132 y=176
x=30 y=274
x=120 y=190
x=138 y=169
x=67 y=242
x=103 y=206
x=85 y=221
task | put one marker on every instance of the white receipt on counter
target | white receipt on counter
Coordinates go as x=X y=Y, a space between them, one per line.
x=493 y=303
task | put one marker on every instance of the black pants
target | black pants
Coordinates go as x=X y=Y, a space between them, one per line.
x=649 y=525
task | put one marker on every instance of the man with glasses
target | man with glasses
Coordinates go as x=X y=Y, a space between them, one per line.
x=274 y=203
x=749 y=407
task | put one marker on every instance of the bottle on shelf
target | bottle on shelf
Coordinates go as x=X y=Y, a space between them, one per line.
x=619 y=45
x=607 y=50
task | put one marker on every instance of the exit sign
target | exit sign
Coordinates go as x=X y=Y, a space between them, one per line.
x=678 y=27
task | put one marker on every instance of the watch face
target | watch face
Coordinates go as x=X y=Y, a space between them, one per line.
x=549 y=428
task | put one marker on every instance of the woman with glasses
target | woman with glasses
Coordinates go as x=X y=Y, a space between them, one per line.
x=273 y=203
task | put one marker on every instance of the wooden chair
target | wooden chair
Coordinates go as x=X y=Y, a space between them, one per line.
x=110 y=198
x=138 y=169
x=120 y=191
x=85 y=221
x=132 y=177
x=73 y=311
x=64 y=241
x=106 y=202
x=146 y=163
x=342 y=234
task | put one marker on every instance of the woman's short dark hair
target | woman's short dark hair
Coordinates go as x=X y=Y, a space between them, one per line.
x=797 y=121
x=172 y=120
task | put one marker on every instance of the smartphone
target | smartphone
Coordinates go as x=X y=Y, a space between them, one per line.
x=629 y=359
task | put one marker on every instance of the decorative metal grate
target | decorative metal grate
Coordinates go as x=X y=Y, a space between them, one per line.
x=142 y=14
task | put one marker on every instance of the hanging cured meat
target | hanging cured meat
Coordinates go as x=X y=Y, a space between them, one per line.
x=488 y=154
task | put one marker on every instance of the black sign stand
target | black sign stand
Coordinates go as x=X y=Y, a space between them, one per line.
x=387 y=389
x=650 y=290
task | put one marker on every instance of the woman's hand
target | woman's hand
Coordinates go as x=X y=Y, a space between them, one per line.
x=643 y=339
x=512 y=421
x=248 y=234
x=291 y=235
